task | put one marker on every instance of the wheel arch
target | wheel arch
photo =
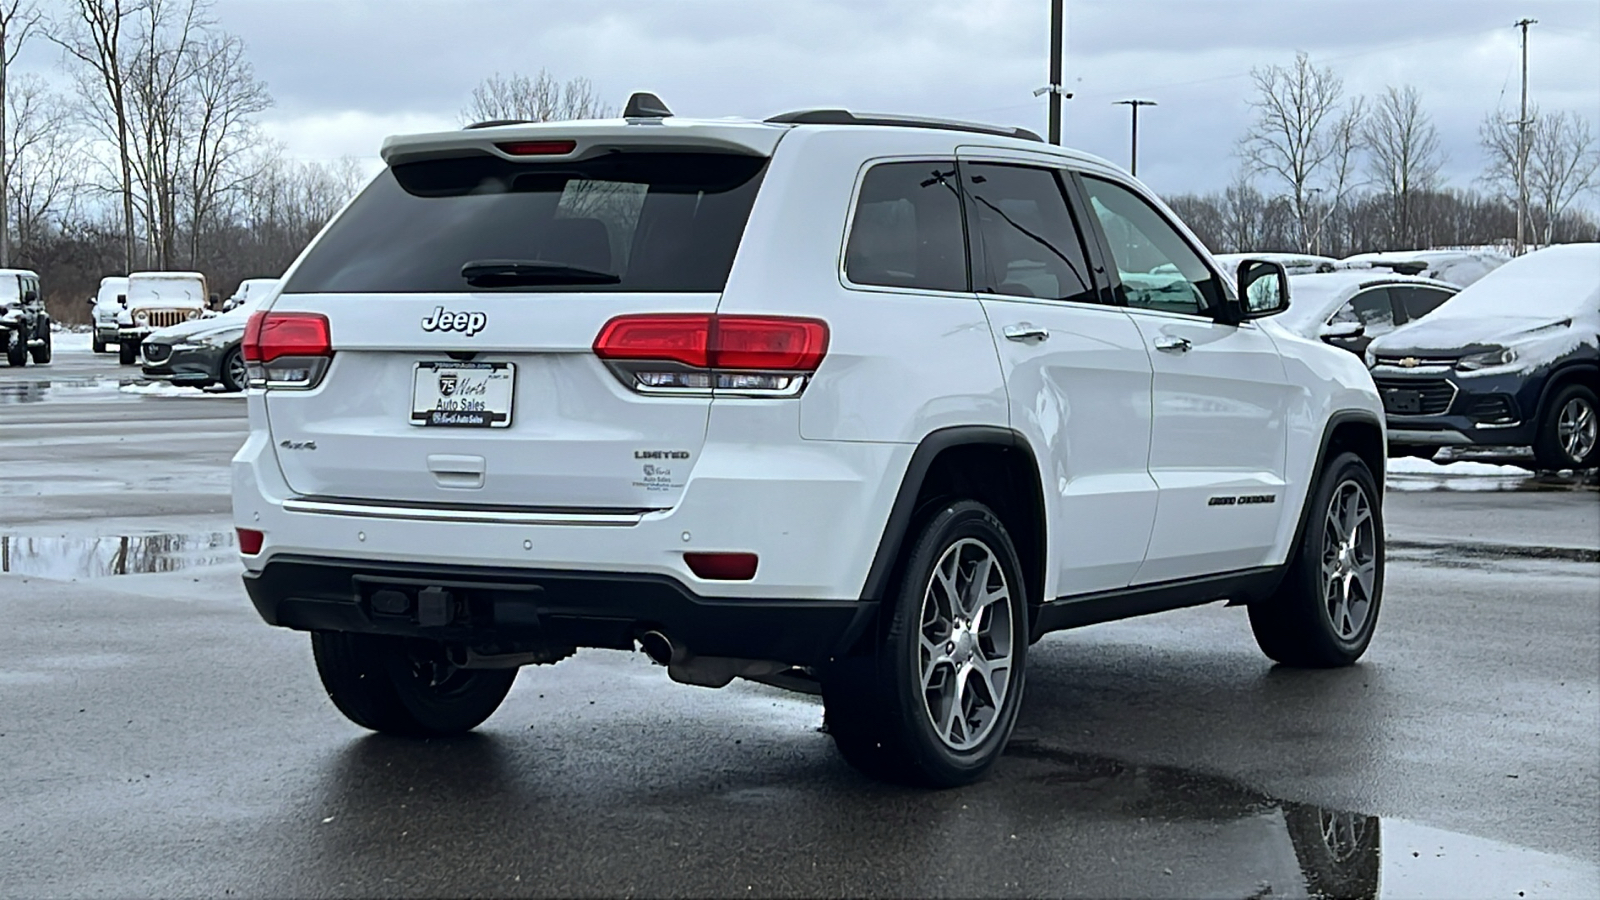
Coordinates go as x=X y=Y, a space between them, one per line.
x=993 y=465
x=1578 y=371
x=1357 y=431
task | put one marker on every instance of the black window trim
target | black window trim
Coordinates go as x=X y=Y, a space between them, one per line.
x=1099 y=285
x=850 y=225
x=1115 y=278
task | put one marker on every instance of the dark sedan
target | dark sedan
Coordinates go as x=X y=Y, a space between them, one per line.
x=199 y=353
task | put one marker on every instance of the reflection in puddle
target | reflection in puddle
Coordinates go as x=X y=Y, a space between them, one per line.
x=1286 y=848
x=91 y=387
x=96 y=557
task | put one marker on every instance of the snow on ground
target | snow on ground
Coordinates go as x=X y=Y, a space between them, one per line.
x=72 y=341
x=1410 y=465
x=163 y=389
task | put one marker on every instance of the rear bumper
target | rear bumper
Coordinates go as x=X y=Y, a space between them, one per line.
x=496 y=605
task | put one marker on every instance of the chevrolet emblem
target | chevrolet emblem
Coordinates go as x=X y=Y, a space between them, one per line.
x=1408 y=362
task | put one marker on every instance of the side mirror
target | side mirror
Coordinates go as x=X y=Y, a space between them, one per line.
x=30 y=296
x=1342 y=331
x=1263 y=288
x=91 y=301
x=122 y=300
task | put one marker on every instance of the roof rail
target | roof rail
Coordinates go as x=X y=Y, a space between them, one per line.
x=846 y=117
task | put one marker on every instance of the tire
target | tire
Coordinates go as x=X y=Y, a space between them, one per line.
x=1297 y=625
x=41 y=354
x=404 y=686
x=882 y=719
x=16 y=348
x=98 y=344
x=1569 y=432
x=1340 y=853
x=127 y=352
x=231 y=374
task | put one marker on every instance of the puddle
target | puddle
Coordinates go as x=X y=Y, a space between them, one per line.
x=68 y=558
x=86 y=389
x=1296 y=849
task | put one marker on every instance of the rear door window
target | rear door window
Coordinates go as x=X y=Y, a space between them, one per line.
x=1417 y=302
x=907 y=230
x=1372 y=308
x=637 y=222
x=1026 y=243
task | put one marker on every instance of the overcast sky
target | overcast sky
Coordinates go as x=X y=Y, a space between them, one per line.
x=345 y=73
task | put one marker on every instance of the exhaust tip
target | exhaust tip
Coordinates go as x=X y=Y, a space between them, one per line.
x=656 y=646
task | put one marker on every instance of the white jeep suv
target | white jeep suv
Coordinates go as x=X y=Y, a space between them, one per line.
x=859 y=405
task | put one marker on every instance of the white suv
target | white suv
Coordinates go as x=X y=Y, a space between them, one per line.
x=861 y=405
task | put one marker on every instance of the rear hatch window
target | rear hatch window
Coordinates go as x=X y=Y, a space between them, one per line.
x=623 y=222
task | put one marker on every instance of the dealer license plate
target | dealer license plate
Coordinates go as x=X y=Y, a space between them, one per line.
x=462 y=394
x=1403 y=401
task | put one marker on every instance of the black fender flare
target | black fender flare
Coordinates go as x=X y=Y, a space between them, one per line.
x=900 y=514
x=1562 y=374
x=1318 y=468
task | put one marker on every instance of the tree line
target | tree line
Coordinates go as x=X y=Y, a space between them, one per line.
x=1321 y=172
x=148 y=154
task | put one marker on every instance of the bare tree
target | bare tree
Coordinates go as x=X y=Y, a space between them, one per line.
x=1403 y=155
x=44 y=156
x=161 y=80
x=1293 y=138
x=18 y=18
x=537 y=99
x=225 y=96
x=1563 y=162
x=92 y=33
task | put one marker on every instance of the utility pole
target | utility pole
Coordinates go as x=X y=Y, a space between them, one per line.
x=1134 y=107
x=1058 y=16
x=1522 y=143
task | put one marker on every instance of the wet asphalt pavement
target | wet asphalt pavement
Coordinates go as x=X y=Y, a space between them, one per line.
x=157 y=740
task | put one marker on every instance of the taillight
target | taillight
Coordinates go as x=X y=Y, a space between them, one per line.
x=287 y=349
x=537 y=148
x=698 y=352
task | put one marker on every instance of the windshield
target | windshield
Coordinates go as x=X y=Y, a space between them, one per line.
x=658 y=222
x=186 y=291
x=1554 y=283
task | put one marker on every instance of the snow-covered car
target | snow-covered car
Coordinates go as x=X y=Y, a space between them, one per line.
x=1293 y=263
x=249 y=292
x=108 y=301
x=1349 y=307
x=24 y=324
x=1513 y=360
x=206 y=351
x=851 y=403
x=1458 y=267
x=157 y=300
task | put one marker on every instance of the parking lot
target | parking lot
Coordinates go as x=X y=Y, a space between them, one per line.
x=158 y=739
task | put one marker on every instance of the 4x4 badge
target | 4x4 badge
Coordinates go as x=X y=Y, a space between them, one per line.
x=468 y=323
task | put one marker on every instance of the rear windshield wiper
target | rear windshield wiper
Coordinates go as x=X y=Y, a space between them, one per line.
x=489 y=273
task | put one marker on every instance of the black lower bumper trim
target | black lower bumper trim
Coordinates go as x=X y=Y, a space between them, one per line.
x=583 y=609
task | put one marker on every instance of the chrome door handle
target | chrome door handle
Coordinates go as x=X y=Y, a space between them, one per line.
x=1168 y=342
x=1026 y=332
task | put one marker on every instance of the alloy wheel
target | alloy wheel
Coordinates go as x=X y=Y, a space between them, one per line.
x=1576 y=429
x=238 y=371
x=1349 y=560
x=965 y=656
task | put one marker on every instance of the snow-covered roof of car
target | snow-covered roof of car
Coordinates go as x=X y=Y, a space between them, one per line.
x=1459 y=267
x=1294 y=262
x=1315 y=296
